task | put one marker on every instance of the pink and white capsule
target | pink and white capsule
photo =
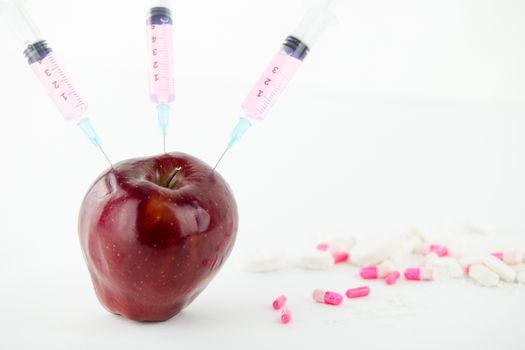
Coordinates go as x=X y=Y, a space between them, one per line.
x=279 y=302
x=340 y=257
x=357 y=292
x=323 y=247
x=375 y=272
x=419 y=274
x=286 y=316
x=337 y=244
x=425 y=248
x=392 y=278
x=509 y=258
x=327 y=297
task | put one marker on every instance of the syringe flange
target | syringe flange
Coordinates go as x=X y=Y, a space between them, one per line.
x=37 y=51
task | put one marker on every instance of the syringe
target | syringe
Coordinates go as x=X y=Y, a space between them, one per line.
x=47 y=69
x=281 y=70
x=162 y=91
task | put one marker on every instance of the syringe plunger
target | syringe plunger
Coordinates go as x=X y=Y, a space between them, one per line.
x=17 y=17
x=160 y=3
x=314 y=24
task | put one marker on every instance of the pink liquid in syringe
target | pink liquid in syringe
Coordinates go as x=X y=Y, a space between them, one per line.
x=161 y=46
x=59 y=87
x=270 y=85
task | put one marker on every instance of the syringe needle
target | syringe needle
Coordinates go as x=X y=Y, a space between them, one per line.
x=106 y=156
x=222 y=156
x=242 y=126
x=85 y=125
x=163 y=120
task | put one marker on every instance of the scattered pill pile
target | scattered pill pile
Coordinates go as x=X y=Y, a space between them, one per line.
x=388 y=261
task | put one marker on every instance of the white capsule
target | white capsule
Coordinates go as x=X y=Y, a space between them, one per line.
x=510 y=257
x=316 y=260
x=483 y=275
x=503 y=270
x=409 y=245
x=520 y=276
x=262 y=260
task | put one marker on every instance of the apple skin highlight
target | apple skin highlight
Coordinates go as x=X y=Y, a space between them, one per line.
x=154 y=232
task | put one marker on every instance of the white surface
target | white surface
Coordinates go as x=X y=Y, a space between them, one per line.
x=58 y=310
x=262 y=260
x=409 y=113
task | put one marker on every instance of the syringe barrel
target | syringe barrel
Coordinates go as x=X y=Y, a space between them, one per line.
x=159 y=24
x=20 y=22
x=274 y=79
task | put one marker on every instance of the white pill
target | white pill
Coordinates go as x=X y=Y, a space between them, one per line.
x=374 y=252
x=503 y=270
x=385 y=268
x=512 y=257
x=421 y=248
x=316 y=260
x=471 y=260
x=483 y=275
x=408 y=245
x=520 y=276
x=402 y=259
x=341 y=243
x=447 y=266
x=518 y=268
x=262 y=260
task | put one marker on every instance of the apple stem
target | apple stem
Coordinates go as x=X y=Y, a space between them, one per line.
x=173 y=178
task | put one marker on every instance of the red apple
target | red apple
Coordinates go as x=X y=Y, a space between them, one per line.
x=154 y=231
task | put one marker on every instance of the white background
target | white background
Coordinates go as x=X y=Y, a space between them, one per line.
x=407 y=113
